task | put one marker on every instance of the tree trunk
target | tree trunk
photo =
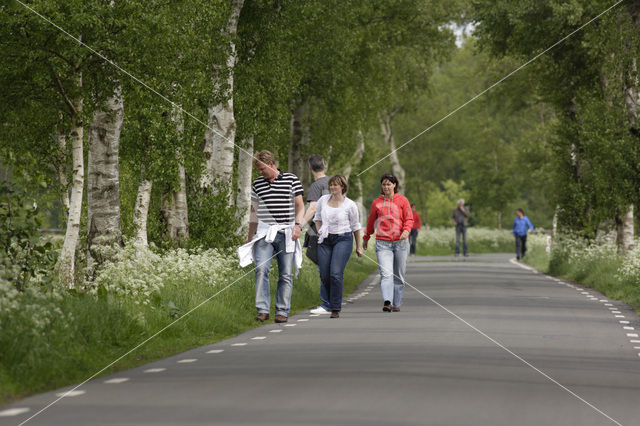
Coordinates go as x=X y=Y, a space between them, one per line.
x=625 y=231
x=398 y=170
x=175 y=211
x=299 y=140
x=243 y=197
x=61 y=166
x=66 y=262
x=356 y=158
x=174 y=202
x=359 y=201
x=554 y=222
x=141 y=211
x=103 y=184
x=220 y=137
x=499 y=219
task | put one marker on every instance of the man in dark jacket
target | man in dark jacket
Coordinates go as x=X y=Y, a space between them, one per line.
x=460 y=218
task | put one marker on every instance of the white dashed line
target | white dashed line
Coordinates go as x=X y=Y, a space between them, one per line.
x=615 y=312
x=584 y=292
x=275 y=331
x=215 y=351
x=240 y=344
x=70 y=394
x=634 y=341
x=636 y=347
x=619 y=316
x=608 y=304
x=628 y=328
x=290 y=325
x=303 y=319
x=259 y=338
x=603 y=300
x=154 y=370
x=14 y=411
x=117 y=380
x=187 y=360
x=316 y=315
x=632 y=334
x=623 y=322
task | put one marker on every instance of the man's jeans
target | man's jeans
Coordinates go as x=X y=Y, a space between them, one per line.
x=333 y=255
x=461 y=230
x=392 y=259
x=413 y=239
x=521 y=246
x=262 y=252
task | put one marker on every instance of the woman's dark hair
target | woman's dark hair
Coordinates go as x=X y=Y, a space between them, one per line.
x=521 y=211
x=391 y=178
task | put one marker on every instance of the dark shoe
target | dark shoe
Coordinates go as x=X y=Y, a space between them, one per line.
x=335 y=314
x=262 y=317
x=281 y=318
x=387 y=306
x=395 y=309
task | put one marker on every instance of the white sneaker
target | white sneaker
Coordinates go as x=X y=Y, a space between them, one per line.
x=319 y=310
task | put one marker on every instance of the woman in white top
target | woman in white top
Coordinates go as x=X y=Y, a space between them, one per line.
x=337 y=221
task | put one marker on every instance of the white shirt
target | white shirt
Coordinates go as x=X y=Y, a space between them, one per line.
x=268 y=232
x=336 y=220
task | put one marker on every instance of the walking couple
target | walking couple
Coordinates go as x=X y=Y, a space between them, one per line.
x=277 y=218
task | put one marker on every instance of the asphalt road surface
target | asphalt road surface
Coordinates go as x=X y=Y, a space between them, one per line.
x=481 y=342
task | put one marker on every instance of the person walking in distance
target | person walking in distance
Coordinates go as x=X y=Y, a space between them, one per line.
x=460 y=218
x=277 y=210
x=318 y=188
x=521 y=227
x=413 y=235
x=391 y=220
x=337 y=221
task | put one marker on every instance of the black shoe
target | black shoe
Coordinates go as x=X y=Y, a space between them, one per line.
x=387 y=306
x=335 y=314
x=395 y=309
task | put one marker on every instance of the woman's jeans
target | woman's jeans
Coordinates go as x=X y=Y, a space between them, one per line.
x=262 y=253
x=392 y=259
x=333 y=255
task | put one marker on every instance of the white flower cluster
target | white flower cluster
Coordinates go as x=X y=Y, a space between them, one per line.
x=138 y=273
x=445 y=237
x=33 y=309
x=630 y=268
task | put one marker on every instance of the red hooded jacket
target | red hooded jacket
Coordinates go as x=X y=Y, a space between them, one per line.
x=388 y=218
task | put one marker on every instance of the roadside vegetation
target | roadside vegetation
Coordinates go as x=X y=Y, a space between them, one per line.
x=52 y=338
x=593 y=263
x=442 y=241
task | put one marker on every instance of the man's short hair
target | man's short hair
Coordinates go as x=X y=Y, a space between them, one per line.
x=316 y=163
x=263 y=156
x=521 y=211
x=340 y=180
x=461 y=200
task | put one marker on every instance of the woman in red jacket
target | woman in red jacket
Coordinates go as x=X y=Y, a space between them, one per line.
x=391 y=220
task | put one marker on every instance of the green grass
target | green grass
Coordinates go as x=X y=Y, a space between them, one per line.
x=600 y=273
x=94 y=331
x=441 y=241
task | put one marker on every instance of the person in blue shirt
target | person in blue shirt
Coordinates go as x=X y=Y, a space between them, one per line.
x=521 y=226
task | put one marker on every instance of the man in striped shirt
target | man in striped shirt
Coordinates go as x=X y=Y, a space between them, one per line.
x=277 y=209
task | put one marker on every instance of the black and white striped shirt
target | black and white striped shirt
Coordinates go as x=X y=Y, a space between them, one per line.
x=275 y=199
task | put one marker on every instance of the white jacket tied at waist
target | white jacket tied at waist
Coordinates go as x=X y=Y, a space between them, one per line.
x=269 y=232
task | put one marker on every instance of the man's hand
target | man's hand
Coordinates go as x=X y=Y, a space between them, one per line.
x=404 y=235
x=296 y=232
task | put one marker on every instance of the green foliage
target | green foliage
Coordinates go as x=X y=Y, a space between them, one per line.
x=441 y=203
x=26 y=257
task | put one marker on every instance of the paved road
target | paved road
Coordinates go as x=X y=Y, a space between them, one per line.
x=482 y=342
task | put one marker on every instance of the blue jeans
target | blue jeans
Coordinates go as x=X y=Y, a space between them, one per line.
x=392 y=259
x=333 y=255
x=262 y=252
x=461 y=230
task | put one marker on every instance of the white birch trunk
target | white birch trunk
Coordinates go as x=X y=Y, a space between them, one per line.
x=103 y=181
x=174 y=204
x=625 y=231
x=359 y=202
x=396 y=167
x=356 y=158
x=220 y=137
x=300 y=137
x=141 y=212
x=61 y=137
x=66 y=262
x=243 y=197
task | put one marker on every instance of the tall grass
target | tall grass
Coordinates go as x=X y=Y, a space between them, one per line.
x=54 y=338
x=594 y=264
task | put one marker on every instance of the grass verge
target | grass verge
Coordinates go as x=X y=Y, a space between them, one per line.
x=90 y=332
